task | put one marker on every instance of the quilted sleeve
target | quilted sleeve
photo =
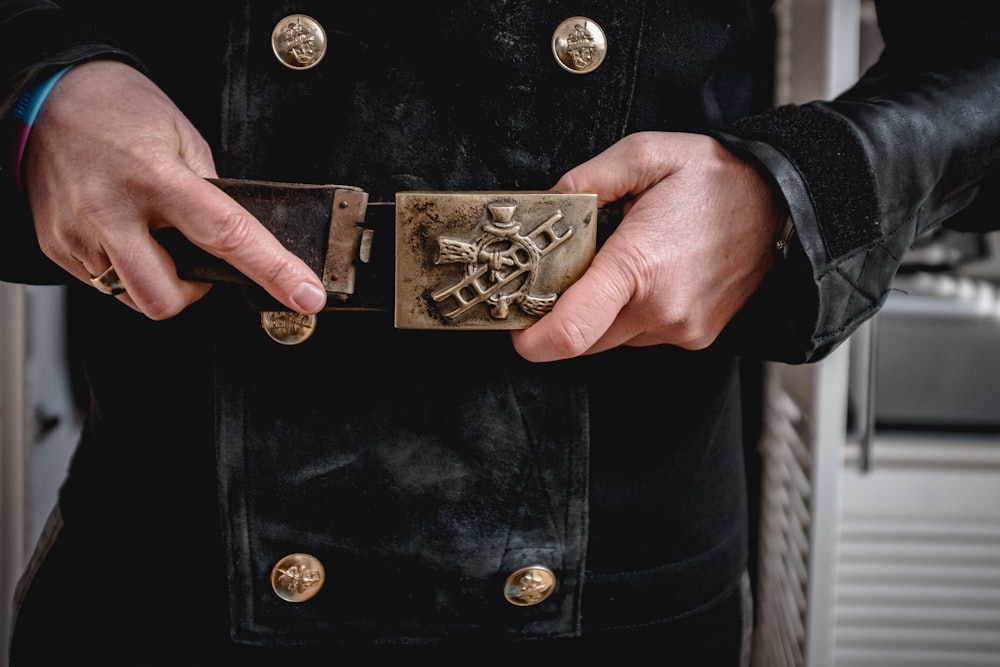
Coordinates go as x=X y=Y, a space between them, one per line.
x=909 y=147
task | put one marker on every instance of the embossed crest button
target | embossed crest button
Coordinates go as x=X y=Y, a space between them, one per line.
x=299 y=41
x=579 y=45
x=529 y=585
x=297 y=577
x=287 y=327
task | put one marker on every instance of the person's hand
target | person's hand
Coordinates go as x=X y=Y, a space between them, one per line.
x=109 y=160
x=695 y=243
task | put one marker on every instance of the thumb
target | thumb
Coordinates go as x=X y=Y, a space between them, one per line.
x=626 y=168
x=580 y=317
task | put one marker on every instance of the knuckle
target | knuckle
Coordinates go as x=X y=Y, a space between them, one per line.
x=231 y=232
x=570 y=181
x=568 y=339
x=690 y=333
x=161 y=310
x=282 y=269
x=696 y=342
x=150 y=170
x=49 y=246
x=171 y=303
x=644 y=150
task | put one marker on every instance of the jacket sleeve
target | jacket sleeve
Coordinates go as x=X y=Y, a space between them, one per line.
x=914 y=144
x=37 y=38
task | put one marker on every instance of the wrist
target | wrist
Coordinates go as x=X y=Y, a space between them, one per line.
x=23 y=118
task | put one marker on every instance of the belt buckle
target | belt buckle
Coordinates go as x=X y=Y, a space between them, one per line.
x=488 y=260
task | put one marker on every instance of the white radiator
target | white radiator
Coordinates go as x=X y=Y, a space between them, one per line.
x=896 y=566
x=919 y=556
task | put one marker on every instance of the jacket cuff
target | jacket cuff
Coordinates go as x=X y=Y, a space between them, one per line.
x=832 y=165
x=821 y=292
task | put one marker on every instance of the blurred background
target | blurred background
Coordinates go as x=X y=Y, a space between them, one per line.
x=875 y=474
x=878 y=517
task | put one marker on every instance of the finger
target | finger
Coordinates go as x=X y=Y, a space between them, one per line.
x=148 y=278
x=212 y=220
x=626 y=168
x=634 y=329
x=582 y=316
x=139 y=272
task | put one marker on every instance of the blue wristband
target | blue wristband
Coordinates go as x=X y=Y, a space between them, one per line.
x=24 y=115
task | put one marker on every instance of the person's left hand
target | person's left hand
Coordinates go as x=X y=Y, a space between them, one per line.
x=695 y=243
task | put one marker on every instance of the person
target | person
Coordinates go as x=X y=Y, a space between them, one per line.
x=570 y=487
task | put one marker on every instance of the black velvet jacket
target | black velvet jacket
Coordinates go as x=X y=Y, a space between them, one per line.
x=422 y=468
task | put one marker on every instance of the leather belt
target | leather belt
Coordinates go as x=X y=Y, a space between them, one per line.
x=468 y=260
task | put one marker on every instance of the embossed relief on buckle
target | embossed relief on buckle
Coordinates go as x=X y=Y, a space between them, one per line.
x=488 y=260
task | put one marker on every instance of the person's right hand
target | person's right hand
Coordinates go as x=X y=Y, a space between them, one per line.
x=110 y=159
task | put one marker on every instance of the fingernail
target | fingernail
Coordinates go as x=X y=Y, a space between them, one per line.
x=308 y=298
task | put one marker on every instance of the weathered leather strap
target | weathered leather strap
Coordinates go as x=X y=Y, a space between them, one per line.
x=324 y=225
x=299 y=216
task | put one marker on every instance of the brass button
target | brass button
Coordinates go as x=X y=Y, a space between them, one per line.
x=529 y=585
x=297 y=577
x=579 y=45
x=299 y=42
x=287 y=327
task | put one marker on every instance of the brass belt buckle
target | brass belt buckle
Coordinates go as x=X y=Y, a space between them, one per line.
x=488 y=260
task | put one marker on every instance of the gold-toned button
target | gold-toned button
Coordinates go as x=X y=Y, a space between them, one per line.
x=297 y=577
x=529 y=585
x=299 y=41
x=579 y=45
x=287 y=327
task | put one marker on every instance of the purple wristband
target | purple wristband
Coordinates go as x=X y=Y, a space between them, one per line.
x=23 y=117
